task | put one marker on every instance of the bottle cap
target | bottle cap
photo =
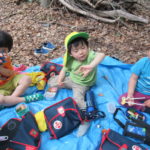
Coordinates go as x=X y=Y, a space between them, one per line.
x=90 y=109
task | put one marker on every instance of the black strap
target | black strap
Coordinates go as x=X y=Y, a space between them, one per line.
x=101 y=114
x=117 y=120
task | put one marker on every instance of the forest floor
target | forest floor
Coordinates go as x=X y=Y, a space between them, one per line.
x=31 y=25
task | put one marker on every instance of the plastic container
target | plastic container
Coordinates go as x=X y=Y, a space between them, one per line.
x=50 y=92
x=21 y=109
x=135 y=114
x=111 y=107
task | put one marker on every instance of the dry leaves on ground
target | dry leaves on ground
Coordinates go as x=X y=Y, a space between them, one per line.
x=31 y=25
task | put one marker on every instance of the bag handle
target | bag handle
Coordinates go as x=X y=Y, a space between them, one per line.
x=117 y=120
x=104 y=137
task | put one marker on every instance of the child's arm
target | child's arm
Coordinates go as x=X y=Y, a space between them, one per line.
x=99 y=57
x=6 y=72
x=132 y=84
x=131 y=87
x=86 y=69
x=61 y=77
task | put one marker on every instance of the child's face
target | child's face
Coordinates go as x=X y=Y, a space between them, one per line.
x=80 y=52
x=3 y=51
x=3 y=54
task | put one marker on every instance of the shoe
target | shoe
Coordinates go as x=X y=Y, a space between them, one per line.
x=34 y=97
x=83 y=128
x=48 y=46
x=41 y=51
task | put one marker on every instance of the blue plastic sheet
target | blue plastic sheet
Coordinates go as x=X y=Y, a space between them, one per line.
x=112 y=81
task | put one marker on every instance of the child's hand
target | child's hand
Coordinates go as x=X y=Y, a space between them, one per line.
x=130 y=100
x=85 y=70
x=147 y=103
x=60 y=83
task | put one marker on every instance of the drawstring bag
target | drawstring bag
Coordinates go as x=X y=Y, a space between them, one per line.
x=62 y=117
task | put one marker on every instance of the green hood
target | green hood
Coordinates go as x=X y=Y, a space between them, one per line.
x=72 y=36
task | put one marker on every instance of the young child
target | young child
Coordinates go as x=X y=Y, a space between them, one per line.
x=139 y=85
x=12 y=84
x=81 y=64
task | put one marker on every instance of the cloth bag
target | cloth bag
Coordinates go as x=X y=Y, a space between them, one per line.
x=51 y=69
x=62 y=117
x=134 y=128
x=112 y=140
x=23 y=134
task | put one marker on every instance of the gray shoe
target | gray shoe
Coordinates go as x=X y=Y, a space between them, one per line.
x=83 y=128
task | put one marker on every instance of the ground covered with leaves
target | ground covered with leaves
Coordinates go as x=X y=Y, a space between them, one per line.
x=31 y=25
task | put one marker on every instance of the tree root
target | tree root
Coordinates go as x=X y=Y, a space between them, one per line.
x=87 y=8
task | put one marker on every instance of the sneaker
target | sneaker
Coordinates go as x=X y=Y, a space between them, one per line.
x=34 y=97
x=41 y=51
x=83 y=128
x=48 y=46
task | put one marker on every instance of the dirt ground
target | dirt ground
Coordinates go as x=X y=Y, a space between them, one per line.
x=31 y=25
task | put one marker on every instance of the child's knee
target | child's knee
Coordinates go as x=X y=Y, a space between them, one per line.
x=26 y=79
x=2 y=99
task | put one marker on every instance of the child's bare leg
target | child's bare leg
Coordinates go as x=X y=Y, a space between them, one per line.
x=24 y=83
x=10 y=100
x=13 y=100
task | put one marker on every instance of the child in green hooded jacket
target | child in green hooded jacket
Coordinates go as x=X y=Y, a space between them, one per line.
x=81 y=64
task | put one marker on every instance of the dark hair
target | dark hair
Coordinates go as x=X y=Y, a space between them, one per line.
x=76 y=43
x=6 y=40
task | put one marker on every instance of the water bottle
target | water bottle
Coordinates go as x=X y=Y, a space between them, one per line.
x=91 y=110
x=89 y=97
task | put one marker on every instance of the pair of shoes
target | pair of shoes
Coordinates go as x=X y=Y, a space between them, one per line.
x=83 y=128
x=49 y=46
x=34 y=97
x=45 y=49
x=41 y=51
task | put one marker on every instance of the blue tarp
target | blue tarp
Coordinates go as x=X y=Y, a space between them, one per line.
x=112 y=79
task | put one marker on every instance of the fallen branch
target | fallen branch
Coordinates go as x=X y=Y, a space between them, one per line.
x=123 y=14
x=90 y=14
x=109 y=16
